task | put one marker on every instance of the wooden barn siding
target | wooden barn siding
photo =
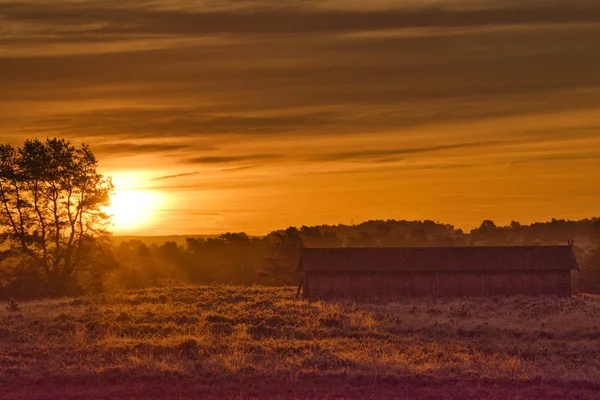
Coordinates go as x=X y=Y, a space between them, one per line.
x=327 y=285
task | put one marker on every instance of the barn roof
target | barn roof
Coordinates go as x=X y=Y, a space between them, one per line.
x=413 y=259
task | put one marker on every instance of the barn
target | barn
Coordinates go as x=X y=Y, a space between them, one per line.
x=470 y=271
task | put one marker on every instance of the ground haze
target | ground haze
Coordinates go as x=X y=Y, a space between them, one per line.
x=258 y=342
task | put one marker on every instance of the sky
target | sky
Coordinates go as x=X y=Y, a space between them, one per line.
x=254 y=115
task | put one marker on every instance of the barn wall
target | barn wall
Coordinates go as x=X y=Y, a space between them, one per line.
x=365 y=285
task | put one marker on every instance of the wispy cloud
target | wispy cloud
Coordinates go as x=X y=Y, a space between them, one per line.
x=262 y=17
x=231 y=159
x=133 y=148
x=564 y=156
x=383 y=155
x=161 y=178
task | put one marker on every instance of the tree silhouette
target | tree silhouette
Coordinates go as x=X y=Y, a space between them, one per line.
x=281 y=264
x=51 y=215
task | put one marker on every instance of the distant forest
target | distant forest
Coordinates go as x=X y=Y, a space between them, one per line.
x=238 y=258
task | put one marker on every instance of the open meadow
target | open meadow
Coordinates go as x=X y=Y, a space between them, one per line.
x=260 y=342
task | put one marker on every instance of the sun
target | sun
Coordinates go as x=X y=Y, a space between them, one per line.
x=131 y=209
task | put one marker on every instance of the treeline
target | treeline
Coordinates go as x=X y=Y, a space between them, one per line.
x=237 y=258
x=241 y=259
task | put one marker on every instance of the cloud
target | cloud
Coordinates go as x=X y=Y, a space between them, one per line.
x=241 y=168
x=231 y=159
x=261 y=18
x=387 y=155
x=183 y=121
x=133 y=148
x=160 y=178
x=564 y=156
x=306 y=69
x=386 y=171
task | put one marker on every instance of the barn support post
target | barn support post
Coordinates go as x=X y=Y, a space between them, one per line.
x=300 y=286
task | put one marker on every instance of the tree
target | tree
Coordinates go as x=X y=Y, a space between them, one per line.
x=281 y=264
x=489 y=233
x=52 y=209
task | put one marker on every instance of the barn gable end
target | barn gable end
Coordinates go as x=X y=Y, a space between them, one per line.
x=437 y=271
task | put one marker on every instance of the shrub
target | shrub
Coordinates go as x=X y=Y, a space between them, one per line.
x=188 y=348
x=13 y=306
x=220 y=329
x=218 y=319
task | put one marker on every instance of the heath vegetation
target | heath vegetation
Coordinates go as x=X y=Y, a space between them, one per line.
x=257 y=341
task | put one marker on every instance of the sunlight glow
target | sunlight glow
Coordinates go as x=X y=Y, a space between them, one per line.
x=132 y=209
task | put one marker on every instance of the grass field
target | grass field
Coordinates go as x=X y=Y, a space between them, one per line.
x=258 y=342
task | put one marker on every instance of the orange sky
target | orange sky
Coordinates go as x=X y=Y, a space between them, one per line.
x=257 y=115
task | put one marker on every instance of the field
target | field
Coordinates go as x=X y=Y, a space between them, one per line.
x=180 y=342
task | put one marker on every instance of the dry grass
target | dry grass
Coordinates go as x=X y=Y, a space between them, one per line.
x=260 y=342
